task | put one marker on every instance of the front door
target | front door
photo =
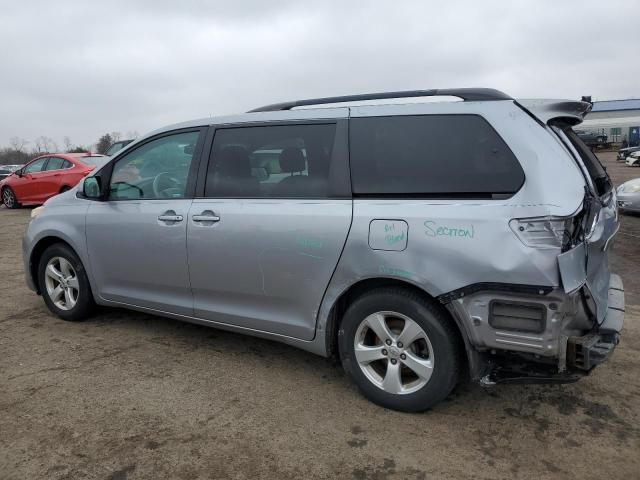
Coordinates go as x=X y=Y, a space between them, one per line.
x=27 y=187
x=137 y=237
x=265 y=239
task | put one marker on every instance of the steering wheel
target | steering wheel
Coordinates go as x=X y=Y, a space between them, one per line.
x=165 y=185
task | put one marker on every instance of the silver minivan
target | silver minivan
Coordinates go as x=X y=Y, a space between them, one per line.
x=420 y=243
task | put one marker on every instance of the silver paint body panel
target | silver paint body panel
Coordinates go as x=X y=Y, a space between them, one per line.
x=266 y=263
x=145 y=262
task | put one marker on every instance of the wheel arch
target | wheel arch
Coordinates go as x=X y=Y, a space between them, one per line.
x=8 y=187
x=36 y=254
x=355 y=290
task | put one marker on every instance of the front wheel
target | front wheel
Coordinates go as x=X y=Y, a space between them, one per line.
x=64 y=284
x=9 y=198
x=400 y=349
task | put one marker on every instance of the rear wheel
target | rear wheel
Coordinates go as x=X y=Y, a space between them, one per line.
x=64 y=284
x=400 y=349
x=9 y=198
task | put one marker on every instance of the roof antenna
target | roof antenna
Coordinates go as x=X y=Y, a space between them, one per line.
x=587 y=99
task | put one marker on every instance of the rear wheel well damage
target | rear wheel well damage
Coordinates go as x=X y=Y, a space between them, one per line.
x=356 y=290
x=36 y=254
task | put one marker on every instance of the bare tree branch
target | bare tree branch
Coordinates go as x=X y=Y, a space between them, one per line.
x=18 y=143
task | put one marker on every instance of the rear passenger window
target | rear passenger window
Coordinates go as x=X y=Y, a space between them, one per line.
x=431 y=155
x=280 y=161
x=55 y=163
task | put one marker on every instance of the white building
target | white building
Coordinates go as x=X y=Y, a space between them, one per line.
x=619 y=119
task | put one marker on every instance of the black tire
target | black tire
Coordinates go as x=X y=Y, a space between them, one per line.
x=9 y=198
x=443 y=335
x=84 y=305
x=64 y=189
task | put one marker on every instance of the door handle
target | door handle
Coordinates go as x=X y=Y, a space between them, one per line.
x=206 y=217
x=170 y=218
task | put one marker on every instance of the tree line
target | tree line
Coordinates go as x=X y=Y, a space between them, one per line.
x=20 y=150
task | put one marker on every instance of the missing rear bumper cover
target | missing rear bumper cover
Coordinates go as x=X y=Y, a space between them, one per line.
x=586 y=352
x=518 y=316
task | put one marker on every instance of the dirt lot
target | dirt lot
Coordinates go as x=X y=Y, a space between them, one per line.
x=127 y=396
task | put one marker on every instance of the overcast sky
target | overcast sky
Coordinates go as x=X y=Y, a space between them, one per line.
x=80 y=69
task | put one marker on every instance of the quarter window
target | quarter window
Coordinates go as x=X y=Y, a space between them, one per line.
x=598 y=175
x=279 y=161
x=156 y=170
x=431 y=155
x=35 y=167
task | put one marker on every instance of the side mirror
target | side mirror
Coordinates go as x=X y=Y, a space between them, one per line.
x=19 y=172
x=91 y=188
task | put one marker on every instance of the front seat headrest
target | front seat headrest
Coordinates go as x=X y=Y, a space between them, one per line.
x=292 y=160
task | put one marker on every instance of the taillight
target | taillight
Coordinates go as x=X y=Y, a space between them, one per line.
x=542 y=232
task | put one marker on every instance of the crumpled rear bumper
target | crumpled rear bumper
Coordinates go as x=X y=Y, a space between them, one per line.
x=588 y=351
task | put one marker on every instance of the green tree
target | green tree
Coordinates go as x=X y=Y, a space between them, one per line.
x=79 y=149
x=104 y=143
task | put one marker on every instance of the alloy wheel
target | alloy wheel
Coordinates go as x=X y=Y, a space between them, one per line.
x=62 y=283
x=394 y=352
x=8 y=198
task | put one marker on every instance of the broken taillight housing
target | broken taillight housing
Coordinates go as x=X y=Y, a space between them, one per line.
x=542 y=232
x=559 y=232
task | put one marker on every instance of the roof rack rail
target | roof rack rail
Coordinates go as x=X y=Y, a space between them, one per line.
x=467 y=94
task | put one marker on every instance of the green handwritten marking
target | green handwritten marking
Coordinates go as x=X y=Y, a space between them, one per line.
x=391 y=239
x=309 y=242
x=435 y=230
x=396 y=272
x=389 y=227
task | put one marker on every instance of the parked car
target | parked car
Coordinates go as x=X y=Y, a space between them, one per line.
x=629 y=196
x=6 y=170
x=633 y=159
x=46 y=176
x=117 y=146
x=592 y=139
x=412 y=254
x=623 y=153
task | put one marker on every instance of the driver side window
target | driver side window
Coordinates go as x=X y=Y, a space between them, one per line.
x=156 y=170
x=35 y=167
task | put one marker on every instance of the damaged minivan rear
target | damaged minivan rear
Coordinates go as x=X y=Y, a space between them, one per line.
x=577 y=325
x=509 y=220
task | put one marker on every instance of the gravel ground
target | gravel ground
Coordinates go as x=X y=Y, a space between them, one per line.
x=130 y=396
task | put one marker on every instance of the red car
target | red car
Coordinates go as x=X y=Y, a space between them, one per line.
x=47 y=176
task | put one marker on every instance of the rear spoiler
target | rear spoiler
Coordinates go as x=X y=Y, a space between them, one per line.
x=545 y=111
